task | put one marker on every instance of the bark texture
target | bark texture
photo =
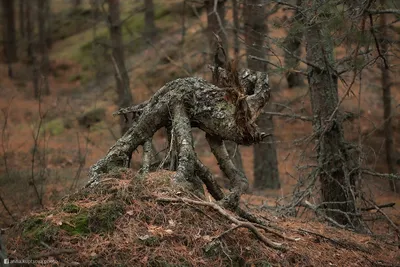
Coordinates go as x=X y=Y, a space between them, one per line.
x=334 y=161
x=118 y=59
x=387 y=103
x=266 y=173
x=181 y=105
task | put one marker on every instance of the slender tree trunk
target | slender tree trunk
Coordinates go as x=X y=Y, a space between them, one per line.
x=77 y=4
x=216 y=25
x=32 y=61
x=10 y=40
x=183 y=21
x=387 y=103
x=266 y=174
x=21 y=18
x=149 y=27
x=334 y=161
x=292 y=43
x=118 y=59
x=43 y=14
x=236 y=28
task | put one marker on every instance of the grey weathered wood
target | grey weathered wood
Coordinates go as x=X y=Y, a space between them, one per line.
x=193 y=102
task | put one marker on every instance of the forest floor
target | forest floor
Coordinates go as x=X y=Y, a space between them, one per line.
x=126 y=221
x=55 y=133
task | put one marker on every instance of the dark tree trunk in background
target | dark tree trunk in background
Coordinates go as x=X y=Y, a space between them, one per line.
x=292 y=43
x=387 y=103
x=266 y=174
x=236 y=28
x=9 y=34
x=77 y=4
x=43 y=15
x=21 y=17
x=334 y=161
x=30 y=47
x=216 y=25
x=118 y=59
x=150 y=30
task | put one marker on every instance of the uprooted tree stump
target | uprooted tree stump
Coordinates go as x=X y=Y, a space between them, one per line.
x=223 y=113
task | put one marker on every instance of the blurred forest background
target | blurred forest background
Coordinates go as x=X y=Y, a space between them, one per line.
x=66 y=66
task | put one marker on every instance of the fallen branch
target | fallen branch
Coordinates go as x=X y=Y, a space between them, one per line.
x=345 y=245
x=314 y=208
x=224 y=213
x=388 y=205
x=54 y=253
x=382 y=175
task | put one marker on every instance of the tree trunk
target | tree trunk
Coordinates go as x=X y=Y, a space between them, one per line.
x=236 y=28
x=10 y=41
x=150 y=30
x=216 y=25
x=334 y=160
x=30 y=48
x=77 y=4
x=266 y=174
x=118 y=59
x=387 y=103
x=43 y=15
x=22 y=18
x=292 y=43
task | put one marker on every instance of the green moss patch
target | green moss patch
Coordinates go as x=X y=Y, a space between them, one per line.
x=77 y=224
x=37 y=229
x=102 y=217
x=54 y=127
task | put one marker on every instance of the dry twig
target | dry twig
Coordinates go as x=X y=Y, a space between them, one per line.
x=224 y=213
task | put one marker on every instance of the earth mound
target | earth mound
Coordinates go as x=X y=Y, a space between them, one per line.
x=129 y=220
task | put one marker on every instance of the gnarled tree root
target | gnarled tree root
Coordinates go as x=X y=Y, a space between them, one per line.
x=192 y=102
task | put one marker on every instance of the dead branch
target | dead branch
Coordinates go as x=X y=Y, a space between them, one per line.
x=228 y=216
x=388 y=205
x=54 y=253
x=317 y=211
x=390 y=176
x=346 y=245
x=384 y=11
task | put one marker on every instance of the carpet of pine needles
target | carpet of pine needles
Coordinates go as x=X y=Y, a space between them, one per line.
x=121 y=223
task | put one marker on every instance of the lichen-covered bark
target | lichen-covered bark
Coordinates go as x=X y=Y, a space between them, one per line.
x=237 y=178
x=184 y=143
x=181 y=105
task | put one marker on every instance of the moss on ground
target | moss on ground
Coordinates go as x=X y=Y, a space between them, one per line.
x=102 y=217
x=54 y=127
x=77 y=225
x=37 y=229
